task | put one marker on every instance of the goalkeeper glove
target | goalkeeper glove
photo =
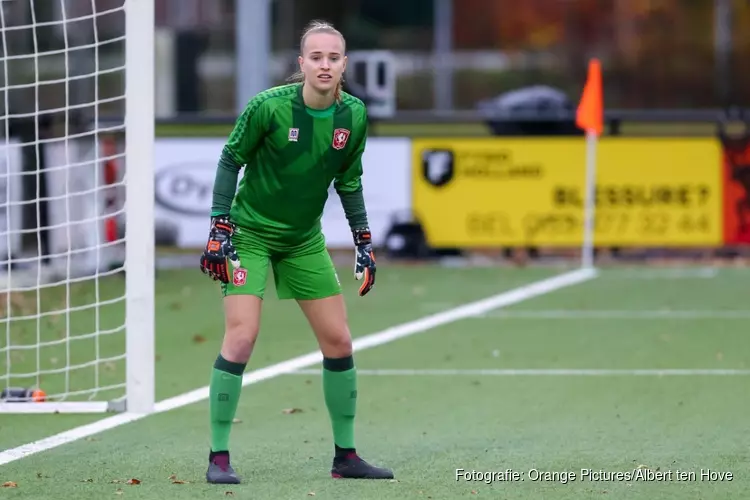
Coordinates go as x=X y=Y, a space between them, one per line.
x=364 y=260
x=219 y=250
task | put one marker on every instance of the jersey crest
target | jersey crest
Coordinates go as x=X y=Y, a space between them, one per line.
x=240 y=277
x=293 y=134
x=340 y=136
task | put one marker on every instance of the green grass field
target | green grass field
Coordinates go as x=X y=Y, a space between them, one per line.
x=582 y=378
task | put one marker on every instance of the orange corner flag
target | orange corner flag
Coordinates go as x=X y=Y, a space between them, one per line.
x=590 y=114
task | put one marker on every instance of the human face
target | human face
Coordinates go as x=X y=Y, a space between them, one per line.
x=323 y=61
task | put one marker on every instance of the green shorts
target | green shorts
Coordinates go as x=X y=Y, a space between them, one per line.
x=301 y=272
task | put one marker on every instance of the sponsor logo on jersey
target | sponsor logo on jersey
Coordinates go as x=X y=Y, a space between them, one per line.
x=293 y=134
x=340 y=136
x=239 y=277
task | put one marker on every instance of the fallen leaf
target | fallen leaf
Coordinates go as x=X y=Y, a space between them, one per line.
x=393 y=481
x=10 y=484
x=39 y=475
x=311 y=493
x=173 y=477
x=134 y=481
x=289 y=411
x=198 y=338
x=118 y=491
x=229 y=493
x=89 y=480
x=236 y=421
x=115 y=481
x=473 y=492
x=180 y=481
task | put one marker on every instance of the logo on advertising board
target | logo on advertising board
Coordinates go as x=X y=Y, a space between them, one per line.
x=438 y=166
x=185 y=187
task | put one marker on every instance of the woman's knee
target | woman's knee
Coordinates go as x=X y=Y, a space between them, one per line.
x=329 y=322
x=335 y=339
x=242 y=323
x=336 y=343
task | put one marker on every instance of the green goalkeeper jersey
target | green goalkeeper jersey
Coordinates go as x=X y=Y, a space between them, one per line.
x=292 y=154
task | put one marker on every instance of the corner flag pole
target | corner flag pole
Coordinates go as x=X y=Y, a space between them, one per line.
x=590 y=118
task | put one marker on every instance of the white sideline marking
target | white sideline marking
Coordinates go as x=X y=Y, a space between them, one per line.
x=564 y=372
x=621 y=314
x=375 y=339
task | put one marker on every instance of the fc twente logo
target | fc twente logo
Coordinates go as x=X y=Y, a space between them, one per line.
x=239 y=278
x=340 y=136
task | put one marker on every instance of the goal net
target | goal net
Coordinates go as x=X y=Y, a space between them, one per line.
x=76 y=215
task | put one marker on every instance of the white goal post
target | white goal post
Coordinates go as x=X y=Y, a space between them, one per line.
x=77 y=206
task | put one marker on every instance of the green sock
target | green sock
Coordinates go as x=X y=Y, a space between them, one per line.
x=340 y=392
x=224 y=394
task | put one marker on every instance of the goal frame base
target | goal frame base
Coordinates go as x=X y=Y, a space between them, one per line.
x=71 y=407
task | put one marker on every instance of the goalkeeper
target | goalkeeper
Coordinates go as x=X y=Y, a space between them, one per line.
x=294 y=141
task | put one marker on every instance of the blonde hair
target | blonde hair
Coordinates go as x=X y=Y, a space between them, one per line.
x=312 y=28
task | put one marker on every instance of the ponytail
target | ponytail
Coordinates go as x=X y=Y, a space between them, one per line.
x=339 y=89
x=296 y=77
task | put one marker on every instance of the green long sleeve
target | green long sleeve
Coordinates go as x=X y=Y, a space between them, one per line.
x=354 y=208
x=225 y=184
x=348 y=182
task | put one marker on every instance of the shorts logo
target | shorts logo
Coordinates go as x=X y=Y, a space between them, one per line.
x=239 y=277
x=293 y=134
x=340 y=136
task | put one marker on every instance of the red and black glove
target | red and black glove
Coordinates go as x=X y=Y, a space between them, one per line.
x=364 y=260
x=219 y=250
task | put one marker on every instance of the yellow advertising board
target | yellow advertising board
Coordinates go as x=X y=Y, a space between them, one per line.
x=498 y=191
